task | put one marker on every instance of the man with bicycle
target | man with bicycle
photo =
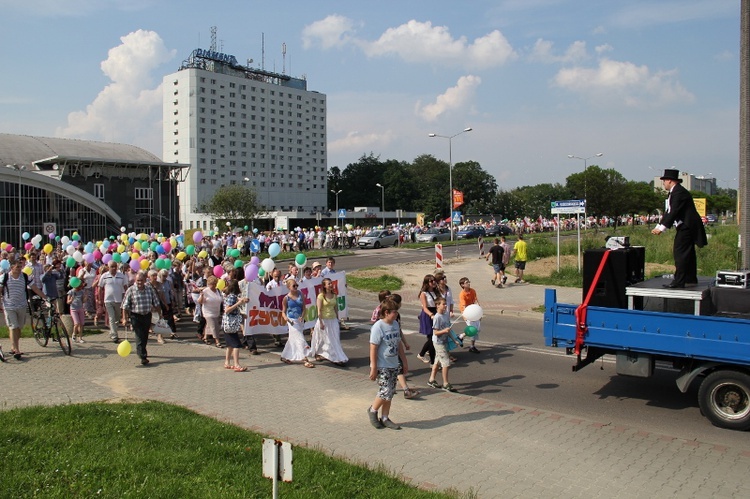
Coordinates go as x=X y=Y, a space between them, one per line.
x=13 y=289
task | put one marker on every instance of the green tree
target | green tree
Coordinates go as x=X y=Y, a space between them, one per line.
x=233 y=203
x=478 y=186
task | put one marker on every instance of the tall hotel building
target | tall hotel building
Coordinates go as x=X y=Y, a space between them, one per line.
x=240 y=125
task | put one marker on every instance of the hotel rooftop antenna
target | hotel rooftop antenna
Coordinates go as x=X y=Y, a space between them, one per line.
x=263 y=51
x=213 y=39
x=283 y=58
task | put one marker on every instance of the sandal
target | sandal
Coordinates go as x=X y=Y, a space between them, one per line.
x=308 y=364
x=410 y=393
x=227 y=366
x=240 y=369
x=319 y=358
x=219 y=345
x=286 y=361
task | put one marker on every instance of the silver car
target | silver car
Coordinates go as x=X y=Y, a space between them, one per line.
x=434 y=235
x=378 y=239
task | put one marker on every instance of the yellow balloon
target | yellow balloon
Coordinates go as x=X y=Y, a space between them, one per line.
x=181 y=255
x=173 y=242
x=124 y=238
x=221 y=285
x=27 y=270
x=120 y=248
x=145 y=264
x=137 y=246
x=48 y=248
x=124 y=348
x=202 y=254
x=135 y=255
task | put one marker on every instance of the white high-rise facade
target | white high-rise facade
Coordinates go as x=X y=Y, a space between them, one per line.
x=238 y=125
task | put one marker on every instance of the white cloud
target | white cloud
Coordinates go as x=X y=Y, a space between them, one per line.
x=128 y=109
x=635 y=86
x=601 y=49
x=333 y=31
x=414 y=41
x=356 y=142
x=543 y=51
x=454 y=98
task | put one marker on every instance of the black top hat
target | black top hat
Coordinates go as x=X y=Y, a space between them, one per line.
x=671 y=175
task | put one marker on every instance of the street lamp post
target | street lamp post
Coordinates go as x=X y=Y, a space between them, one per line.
x=585 y=178
x=336 y=193
x=382 y=202
x=19 y=169
x=450 y=169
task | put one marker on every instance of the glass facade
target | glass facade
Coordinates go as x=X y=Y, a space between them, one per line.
x=40 y=207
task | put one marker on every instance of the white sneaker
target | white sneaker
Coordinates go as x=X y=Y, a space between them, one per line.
x=80 y=340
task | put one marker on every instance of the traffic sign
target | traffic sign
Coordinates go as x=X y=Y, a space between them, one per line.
x=568 y=206
x=255 y=246
x=456 y=219
x=342 y=213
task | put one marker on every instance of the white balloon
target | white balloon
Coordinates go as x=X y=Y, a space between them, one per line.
x=70 y=250
x=473 y=312
x=64 y=240
x=267 y=265
x=77 y=256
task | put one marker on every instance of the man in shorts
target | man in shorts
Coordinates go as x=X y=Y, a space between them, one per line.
x=519 y=252
x=13 y=301
x=497 y=252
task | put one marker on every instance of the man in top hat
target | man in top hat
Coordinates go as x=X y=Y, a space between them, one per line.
x=680 y=212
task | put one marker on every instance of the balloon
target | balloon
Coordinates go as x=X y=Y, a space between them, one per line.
x=255 y=231
x=234 y=253
x=69 y=249
x=202 y=254
x=5 y=265
x=255 y=261
x=27 y=270
x=48 y=248
x=190 y=249
x=238 y=263
x=274 y=250
x=25 y=236
x=74 y=282
x=52 y=235
x=473 y=312
x=124 y=348
x=75 y=236
x=221 y=284
x=246 y=227
x=106 y=258
x=120 y=248
x=137 y=246
x=159 y=264
x=261 y=272
x=251 y=272
x=70 y=262
x=117 y=258
x=158 y=248
x=218 y=271
x=268 y=265
x=167 y=263
x=144 y=264
x=197 y=236
x=155 y=245
x=166 y=246
x=135 y=265
x=181 y=255
x=78 y=256
x=28 y=246
x=470 y=331
x=301 y=259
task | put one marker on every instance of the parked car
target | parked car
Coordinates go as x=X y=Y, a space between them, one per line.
x=378 y=239
x=434 y=235
x=498 y=230
x=470 y=232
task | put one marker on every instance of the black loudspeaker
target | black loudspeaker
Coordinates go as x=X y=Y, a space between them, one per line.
x=624 y=267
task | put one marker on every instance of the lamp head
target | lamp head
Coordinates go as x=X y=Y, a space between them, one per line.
x=379 y=185
x=431 y=135
x=571 y=156
x=468 y=129
x=599 y=154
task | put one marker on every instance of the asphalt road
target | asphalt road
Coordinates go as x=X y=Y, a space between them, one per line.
x=516 y=367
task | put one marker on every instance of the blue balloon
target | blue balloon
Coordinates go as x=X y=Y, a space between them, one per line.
x=25 y=236
x=274 y=250
x=5 y=264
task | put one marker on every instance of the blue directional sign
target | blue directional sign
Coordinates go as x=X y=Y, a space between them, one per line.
x=456 y=218
x=568 y=206
x=255 y=246
x=342 y=213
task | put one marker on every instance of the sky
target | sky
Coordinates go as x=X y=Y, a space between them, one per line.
x=650 y=84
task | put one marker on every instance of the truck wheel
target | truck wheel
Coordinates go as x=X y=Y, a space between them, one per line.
x=724 y=398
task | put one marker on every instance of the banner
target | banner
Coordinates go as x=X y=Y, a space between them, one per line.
x=458 y=198
x=264 y=308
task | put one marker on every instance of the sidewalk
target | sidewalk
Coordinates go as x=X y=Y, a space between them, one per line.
x=495 y=449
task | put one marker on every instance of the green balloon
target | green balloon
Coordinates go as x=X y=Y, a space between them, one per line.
x=246 y=227
x=70 y=262
x=154 y=245
x=470 y=331
x=238 y=263
x=74 y=282
x=300 y=259
x=167 y=263
x=117 y=258
x=190 y=250
x=261 y=272
x=234 y=253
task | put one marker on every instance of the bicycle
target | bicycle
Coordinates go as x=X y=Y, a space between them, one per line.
x=46 y=324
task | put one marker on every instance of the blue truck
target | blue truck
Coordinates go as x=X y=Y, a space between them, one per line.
x=711 y=350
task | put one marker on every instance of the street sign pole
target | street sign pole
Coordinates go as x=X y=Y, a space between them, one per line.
x=577 y=206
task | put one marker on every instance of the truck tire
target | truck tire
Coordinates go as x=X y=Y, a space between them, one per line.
x=724 y=398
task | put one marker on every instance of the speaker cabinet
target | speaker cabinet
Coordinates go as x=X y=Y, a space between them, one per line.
x=624 y=267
